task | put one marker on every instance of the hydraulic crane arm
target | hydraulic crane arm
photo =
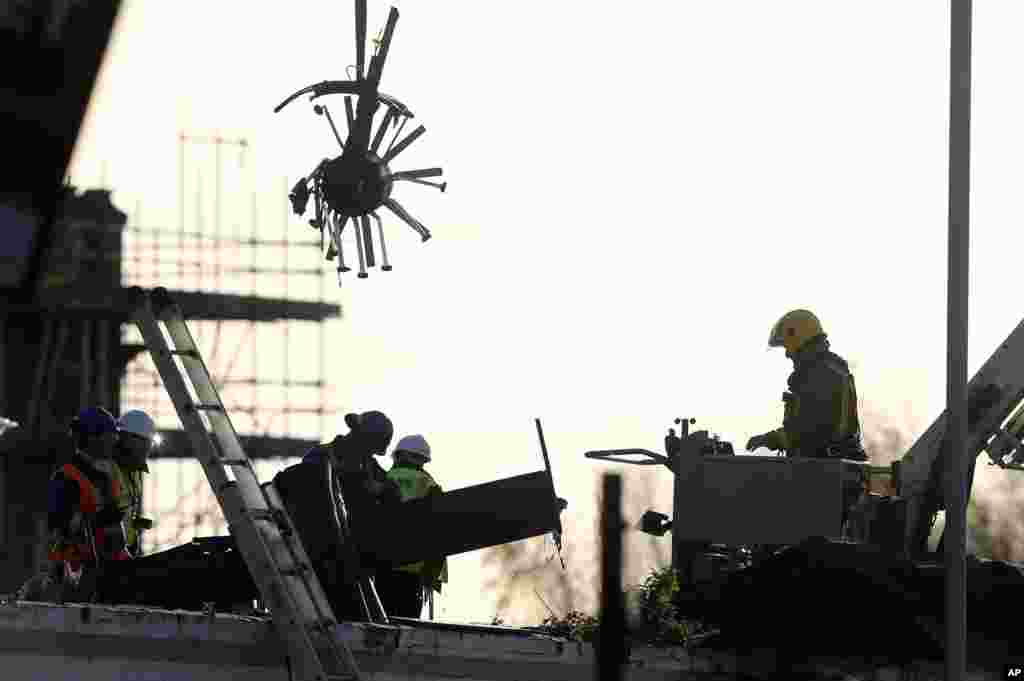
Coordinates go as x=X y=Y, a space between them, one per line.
x=995 y=424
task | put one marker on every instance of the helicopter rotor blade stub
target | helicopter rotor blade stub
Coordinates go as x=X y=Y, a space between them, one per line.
x=403 y=215
x=442 y=186
x=398 y=132
x=385 y=265
x=417 y=174
x=292 y=97
x=334 y=129
x=401 y=146
x=377 y=62
x=359 y=251
x=366 y=107
x=379 y=137
x=350 y=115
x=339 y=226
x=368 y=241
x=354 y=184
x=360 y=39
x=324 y=87
x=400 y=109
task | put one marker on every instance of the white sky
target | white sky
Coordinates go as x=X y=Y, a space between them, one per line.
x=634 y=197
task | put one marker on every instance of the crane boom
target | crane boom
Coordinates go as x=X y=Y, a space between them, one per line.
x=994 y=396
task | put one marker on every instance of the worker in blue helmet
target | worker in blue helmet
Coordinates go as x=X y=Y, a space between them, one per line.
x=84 y=518
x=354 y=453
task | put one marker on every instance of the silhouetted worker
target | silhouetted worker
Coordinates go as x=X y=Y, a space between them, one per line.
x=402 y=589
x=354 y=453
x=334 y=534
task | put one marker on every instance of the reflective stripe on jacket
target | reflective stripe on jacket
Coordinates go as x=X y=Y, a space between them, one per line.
x=129 y=500
x=88 y=504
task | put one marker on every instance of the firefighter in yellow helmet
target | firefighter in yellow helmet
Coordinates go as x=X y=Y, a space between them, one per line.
x=821 y=404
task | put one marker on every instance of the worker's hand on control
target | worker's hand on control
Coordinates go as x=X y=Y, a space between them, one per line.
x=759 y=441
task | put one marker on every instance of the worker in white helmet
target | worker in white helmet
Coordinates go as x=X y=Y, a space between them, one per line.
x=136 y=441
x=403 y=589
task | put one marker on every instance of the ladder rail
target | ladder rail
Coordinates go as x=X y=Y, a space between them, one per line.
x=192 y=361
x=264 y=532
x=318 y=597
x=365 y=586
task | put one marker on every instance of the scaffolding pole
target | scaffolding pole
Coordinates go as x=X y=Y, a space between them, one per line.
x=956 y=377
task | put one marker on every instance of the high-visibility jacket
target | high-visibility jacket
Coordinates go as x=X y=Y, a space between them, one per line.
x=129 y=501
x=415 y=483
x=820 y=407
x=90 y=502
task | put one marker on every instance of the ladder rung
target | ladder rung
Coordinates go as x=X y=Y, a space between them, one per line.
x=205 y=406
x=264 y=514
x=286 y=575
x=273 y=516
x=233 y=462
x=297 y=571
x=325 y=625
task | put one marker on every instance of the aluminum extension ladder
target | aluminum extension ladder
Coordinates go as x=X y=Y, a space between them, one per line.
x=256 y=516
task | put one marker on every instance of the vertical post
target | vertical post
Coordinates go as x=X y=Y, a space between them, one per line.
x=38 y=383
x=103 y=394
x=85 y=369
x=956 y=377
x=3 y=362
x=4 y=496
x=181 y=208
x=286 y=324
x=218 y=237
x=253 y=326
x=611 y=650
x=322 y=371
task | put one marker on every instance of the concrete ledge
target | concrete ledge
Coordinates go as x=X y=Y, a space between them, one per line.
x=76 y=641
x=87 y=642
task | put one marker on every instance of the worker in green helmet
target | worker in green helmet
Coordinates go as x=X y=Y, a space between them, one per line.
x=820 y=406
x=402 y=589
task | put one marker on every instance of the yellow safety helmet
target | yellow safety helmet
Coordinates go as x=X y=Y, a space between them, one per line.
x=793 y=329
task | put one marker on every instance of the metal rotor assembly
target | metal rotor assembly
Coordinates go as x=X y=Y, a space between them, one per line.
x=351 y=187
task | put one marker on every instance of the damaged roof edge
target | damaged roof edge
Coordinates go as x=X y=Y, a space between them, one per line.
x=142 y=637
x=38 y=640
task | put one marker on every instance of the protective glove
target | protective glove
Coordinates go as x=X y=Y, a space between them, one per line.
x=766 y=440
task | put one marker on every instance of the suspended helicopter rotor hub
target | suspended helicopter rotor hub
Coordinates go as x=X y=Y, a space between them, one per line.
x=358 y=186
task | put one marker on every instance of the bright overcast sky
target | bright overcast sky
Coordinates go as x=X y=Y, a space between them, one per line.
x=634 y=197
